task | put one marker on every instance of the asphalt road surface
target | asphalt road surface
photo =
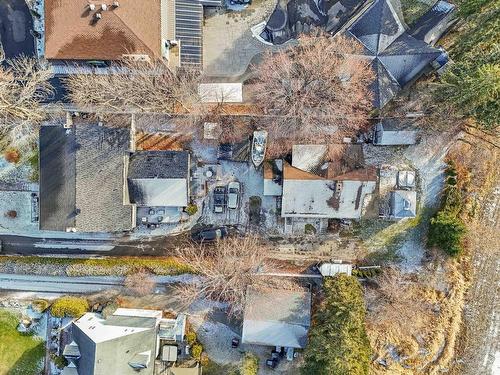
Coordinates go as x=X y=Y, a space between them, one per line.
x=64 y=284
x=15 y=27
x=157 y=246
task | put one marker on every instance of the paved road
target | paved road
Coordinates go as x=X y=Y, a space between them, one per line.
x=157 y=246
x=63 y=284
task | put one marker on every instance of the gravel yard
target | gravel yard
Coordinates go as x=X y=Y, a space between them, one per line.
x=427 y=159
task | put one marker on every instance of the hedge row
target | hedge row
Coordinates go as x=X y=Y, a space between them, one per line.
x=107 y=266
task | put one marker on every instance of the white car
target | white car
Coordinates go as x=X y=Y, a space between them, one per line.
x=233 y=194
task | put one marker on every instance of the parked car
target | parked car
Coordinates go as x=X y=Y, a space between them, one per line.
x=233 y=195
x=219 y=199
x=209 y=234
x=242 y=2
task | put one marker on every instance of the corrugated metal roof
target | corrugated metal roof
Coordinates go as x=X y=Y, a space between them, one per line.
x=221 y=92
x=331 y=269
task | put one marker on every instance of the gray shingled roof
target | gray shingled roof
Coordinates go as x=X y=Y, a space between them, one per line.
x=277 y=318
x=82 y=178
x=57 y=178
x=159 y=178
x=158 y=164
x=100 y=161
x=397 y=57
x=434 y=23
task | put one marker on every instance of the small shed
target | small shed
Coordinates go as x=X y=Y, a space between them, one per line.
x=403 y=204
x=390 y=132
x=332 y=269
x=406 y=179
x=221 y=92
x=169 y=353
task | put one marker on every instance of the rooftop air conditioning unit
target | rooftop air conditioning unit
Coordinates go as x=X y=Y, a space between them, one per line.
x=92 y=6
x=98 y=16
x=104 y=7
x=116 y=4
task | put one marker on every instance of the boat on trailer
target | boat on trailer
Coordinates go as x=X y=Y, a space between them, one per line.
x=259 y=144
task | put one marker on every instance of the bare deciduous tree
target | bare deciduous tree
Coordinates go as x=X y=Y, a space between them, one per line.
x=400 y=304
x=140 y=282
x=24 y=87
x=135 y=86
x=226 y=268
x=318 y=89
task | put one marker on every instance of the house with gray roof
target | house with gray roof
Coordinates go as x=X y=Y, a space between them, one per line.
x=81 y=179
x=159 y=178
x=397 y=57
x=130 y=341
x=124 y=343
x=279 y=318
x=403 y=204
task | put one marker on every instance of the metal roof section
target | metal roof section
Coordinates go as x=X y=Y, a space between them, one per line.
x=332 y=269
x=189 y=33
x=308 y=157
x=403 y=204
x=221 y=92
x=389 y=132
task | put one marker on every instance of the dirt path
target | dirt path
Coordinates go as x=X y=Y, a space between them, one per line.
x=479 y=347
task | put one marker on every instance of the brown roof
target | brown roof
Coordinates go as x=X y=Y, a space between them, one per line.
x=134 y=27
x=366 y=174
x=268 y=171
x=292 y=173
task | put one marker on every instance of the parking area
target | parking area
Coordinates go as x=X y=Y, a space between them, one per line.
x=215 y=169
x=228 y=54
x=16 y=25
x=18 y=211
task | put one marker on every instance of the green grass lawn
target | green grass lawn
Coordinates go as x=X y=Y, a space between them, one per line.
x=19 y=354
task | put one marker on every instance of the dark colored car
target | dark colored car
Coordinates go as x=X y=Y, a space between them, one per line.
x=209 y=234
x=242 y=2
x=219 y=199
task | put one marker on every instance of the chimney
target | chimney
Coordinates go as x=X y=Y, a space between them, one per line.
x=116 y=4
x=92 y=6
x=104 y=7
x=98 y=16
